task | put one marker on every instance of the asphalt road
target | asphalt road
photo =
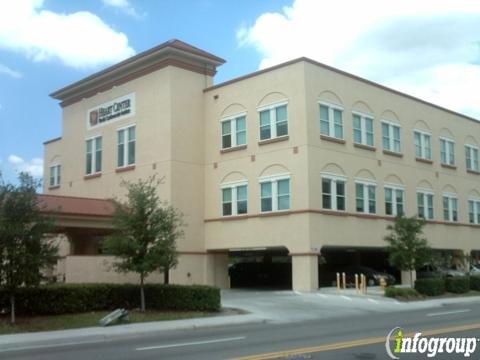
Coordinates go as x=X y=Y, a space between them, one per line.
x=359 y=337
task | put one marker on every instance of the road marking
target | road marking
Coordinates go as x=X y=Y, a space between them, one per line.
x=352 y=343
x=449 y=312
x=191 y=343
x=23 y=348
x=347 y=298
x=322 y=295
x=373 y=301
x=298 y=292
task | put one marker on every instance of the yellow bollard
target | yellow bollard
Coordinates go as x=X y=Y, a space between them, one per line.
x=344 y=281
x=356 y=283
x=338 y=281
x=383 y=283
x=363 y=284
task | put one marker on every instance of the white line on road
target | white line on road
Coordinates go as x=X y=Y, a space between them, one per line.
x=191 y=343
x=449 y=312
x=373 y=301
x=66 y=344
x=298 y=292
x=346 y=298
x=322 y=295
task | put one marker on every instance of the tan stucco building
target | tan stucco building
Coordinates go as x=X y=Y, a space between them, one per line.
x=300 y=156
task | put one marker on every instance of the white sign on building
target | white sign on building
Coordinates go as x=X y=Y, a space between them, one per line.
x=119 y=108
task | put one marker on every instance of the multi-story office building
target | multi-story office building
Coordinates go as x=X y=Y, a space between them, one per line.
x=301 y=157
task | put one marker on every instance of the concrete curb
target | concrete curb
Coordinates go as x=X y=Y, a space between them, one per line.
x=91 y=335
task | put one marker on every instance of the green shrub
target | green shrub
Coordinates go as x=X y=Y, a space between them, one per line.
x=402 y=293
x=475 y=282
x=457 y=285
x=430 y=286
x=76 y=298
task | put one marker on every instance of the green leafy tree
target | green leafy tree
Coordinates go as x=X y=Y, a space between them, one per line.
x=25 y=250
x=146 y=232
x=408 y=249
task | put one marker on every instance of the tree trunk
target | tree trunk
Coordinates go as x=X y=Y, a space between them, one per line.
x=166 y=276
x=142 y=295
x=12 y=309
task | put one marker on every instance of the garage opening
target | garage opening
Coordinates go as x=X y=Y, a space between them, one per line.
x=265 y=268
x=372 y=262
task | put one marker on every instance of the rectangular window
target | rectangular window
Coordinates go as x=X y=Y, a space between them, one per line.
x=474 y=211
x=365 y=197
x=447 y=151
x=423 y=145
x=362 y=129
x=425 y=205
x=331 y=122
x=94 y=155
x=471 y=156
x=234 y=132
x=391 y=137
x=273 y=121
x=234 y=200
x=126 y=146
x=394 y=200
x=450 y=207
x=275 y=194
x=55 y=175
x=333 y=193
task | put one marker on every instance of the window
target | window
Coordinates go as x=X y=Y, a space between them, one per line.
x=471 y=156
x=234 y=199
x=275 y=194
x=331 y=123
x=394 y=200
x=423 y=145
x=126 y=147
x=273 y=121
x=447 y=151
x=234 y=132
x=362 y=129
x=333 y=192
x=55 y=175
x=450 y=207
x=391 y=137
x=474 y=211
x=365 y=197
x=425 y=204
x=94 y=155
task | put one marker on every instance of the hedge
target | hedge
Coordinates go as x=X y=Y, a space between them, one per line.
x=475 y=282
x=457 y=285
x=403 y=293
x=430 y=286
x=77 y=298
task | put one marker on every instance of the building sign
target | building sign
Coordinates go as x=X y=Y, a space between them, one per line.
x=119 y=108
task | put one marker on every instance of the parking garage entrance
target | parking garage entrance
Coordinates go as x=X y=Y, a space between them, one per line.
x=260 y=268
x=355 y=259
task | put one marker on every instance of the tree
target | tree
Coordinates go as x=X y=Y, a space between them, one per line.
x=145 y=235
x=24 y=246
x=408 y=249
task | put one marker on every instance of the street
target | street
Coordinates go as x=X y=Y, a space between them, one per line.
x=355 y=337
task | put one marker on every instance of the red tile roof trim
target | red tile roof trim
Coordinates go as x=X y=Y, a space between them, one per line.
x=80 y=206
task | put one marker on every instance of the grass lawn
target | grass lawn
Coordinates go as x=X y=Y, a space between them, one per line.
x=72 y=321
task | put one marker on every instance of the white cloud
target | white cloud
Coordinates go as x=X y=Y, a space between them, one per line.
x=4 y=69
x=79 y=39
x=123 y=5
x=428 y=48
x=34 y=167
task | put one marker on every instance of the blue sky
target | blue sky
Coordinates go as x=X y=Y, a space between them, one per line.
x=428 y=48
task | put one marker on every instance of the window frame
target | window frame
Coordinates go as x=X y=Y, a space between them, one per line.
x=391 y=138
x=273 y=119
x=476 y=210
x=331 y=119
x=448 y=156
x=55 y=174
x=366 y=185
x=469 y=151
x=452 y=211
x=394 y=188
x=363 y=128
x=233 y=130
x=273 y=180
x=126 y=147
x=425 y=193
x=233 y=186
x=334 y=178
x=423 y=147
x=94 y=153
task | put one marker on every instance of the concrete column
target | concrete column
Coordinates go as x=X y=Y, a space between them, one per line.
x=305 y=272
x=217 y=270
x=405 y=277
